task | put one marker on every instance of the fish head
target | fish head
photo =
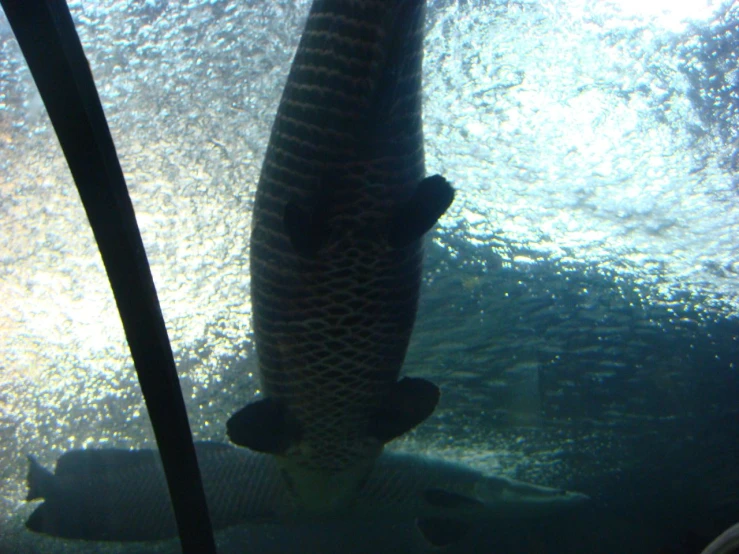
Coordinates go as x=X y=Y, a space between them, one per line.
x=514 y=498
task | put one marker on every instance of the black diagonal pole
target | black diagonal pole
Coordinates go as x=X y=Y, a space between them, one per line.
x=46 y=33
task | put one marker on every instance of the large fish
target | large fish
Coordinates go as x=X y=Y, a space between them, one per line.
x=121 y=495
x=340 y=213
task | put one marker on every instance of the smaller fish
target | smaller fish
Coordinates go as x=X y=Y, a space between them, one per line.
x=726 y=543
x=447 y=498
x=121 y=495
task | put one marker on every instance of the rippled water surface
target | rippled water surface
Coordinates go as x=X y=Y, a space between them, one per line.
x=581 y=297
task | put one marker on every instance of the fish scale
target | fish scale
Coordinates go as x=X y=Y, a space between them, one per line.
x=334 y=288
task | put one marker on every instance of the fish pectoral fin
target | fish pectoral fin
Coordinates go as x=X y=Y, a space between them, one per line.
x=41 y=481
x=308 y=231
x=419 y=214
x=440 y=531
x=409 y=402
x=263 y=426
x=440 y=498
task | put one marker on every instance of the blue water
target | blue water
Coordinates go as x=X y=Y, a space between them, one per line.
x=580 y=301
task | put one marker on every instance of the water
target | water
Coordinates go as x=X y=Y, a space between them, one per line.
x=580 y=303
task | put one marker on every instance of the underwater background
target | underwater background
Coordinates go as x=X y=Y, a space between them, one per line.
x=581 y=297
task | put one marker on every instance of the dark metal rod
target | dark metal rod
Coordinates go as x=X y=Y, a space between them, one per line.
x=49 y=41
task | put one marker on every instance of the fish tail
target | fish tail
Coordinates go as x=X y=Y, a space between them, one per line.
x=40 y=480
x=37 y=521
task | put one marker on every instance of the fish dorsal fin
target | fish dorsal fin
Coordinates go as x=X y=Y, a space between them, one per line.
x=78 y=462
x=441 y=531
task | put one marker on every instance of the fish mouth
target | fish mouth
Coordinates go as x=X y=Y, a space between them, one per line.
x=510 y=495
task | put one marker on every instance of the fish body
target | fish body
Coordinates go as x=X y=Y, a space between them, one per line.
x=403 y=485
x=341 y=209
x=726 y=543
x=121 y=495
